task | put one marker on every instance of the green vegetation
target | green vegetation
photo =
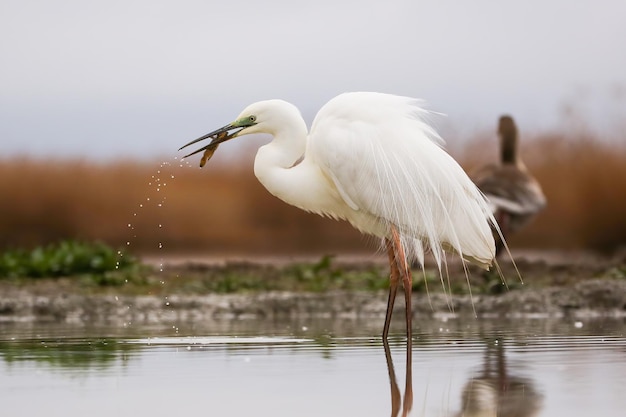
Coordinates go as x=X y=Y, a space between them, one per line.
x=319 y=276
x=95 y=267
x=66 y=258
x=323 y=275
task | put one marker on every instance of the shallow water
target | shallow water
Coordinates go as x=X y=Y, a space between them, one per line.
x=321 y=368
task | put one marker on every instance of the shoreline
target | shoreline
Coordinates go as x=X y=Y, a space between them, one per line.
x=589 y=299
x=182 y=289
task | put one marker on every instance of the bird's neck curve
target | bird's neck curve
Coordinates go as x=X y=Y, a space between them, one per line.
x=274 y=162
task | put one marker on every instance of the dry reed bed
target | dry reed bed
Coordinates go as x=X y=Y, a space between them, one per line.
x=223 y=209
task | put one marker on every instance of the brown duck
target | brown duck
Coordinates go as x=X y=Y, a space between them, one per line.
x=514 y=194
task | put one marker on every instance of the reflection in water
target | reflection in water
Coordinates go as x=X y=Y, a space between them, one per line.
x=488 y=370
x=66 y=354
x=408 y=389
x=496 y=391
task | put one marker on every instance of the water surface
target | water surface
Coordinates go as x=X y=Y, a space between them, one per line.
x=319 y=368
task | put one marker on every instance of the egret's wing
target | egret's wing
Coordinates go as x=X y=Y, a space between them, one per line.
x=385 y=160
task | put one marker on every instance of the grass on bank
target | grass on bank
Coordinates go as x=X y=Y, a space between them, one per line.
x=89 y=264
x=94 y=261
x=82 y=266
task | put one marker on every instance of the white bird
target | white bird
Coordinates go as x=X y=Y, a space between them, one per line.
x=514 y=194
x=371 y=159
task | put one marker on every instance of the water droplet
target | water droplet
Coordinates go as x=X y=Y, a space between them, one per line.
x=578 y=324
x=160 y=225
x=127 y=243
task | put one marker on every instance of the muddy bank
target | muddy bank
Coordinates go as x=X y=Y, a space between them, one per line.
x=589 y=298
x=179 y=291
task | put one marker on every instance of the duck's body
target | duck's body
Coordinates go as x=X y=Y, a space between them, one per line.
x=515 y=196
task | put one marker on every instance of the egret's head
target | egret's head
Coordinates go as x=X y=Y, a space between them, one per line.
x=261 y=117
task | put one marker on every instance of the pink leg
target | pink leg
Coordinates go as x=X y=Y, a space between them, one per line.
x=399 y=268
x=393 y=287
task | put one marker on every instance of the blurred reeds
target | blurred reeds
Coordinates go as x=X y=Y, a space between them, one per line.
x=223 y=209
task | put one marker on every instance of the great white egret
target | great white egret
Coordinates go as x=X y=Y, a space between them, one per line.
x=514 y=194
x=371 y=159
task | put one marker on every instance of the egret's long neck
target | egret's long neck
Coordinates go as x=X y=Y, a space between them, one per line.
x=274 y=162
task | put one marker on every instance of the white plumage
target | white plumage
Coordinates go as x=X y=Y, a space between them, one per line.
x=372 y=159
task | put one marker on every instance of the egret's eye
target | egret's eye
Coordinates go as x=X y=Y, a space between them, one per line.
x=252 y=118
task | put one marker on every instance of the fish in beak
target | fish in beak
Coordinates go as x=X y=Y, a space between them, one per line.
x=217 y=136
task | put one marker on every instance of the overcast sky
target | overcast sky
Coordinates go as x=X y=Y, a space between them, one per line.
x=104 y=79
